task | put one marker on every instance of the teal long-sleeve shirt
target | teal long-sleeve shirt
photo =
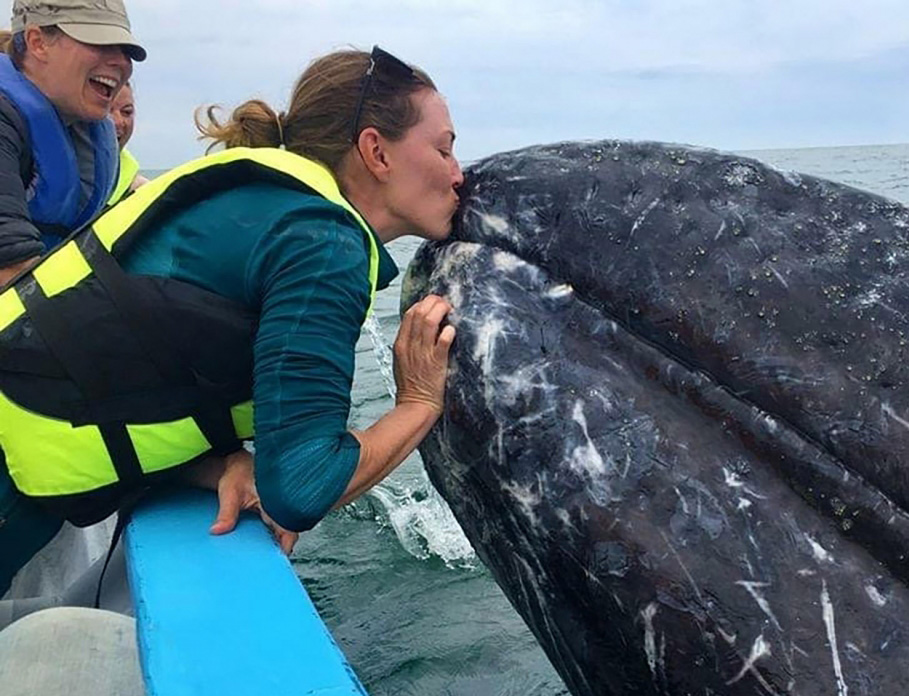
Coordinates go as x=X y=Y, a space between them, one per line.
x=302 y=263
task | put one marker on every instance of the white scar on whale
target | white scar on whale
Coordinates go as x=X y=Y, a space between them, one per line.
x=841 y=688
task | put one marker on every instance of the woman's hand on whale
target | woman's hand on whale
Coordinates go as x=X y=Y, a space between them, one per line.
x=421 y=353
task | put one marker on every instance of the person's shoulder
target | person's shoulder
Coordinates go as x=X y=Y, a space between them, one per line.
x=279 y=198
x=11 y=118
x=8 y=110
x=14 y=137
x=291 y=207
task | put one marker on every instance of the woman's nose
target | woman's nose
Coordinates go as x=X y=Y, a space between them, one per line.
x=457 y=174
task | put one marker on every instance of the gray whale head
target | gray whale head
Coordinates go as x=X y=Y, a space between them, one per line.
x=677 y=422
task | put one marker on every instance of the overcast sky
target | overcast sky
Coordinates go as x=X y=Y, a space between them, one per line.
x=731 y=74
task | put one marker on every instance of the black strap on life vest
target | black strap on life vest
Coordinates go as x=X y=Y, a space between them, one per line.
x=125 y=511
x=57 y=335
x=144 y=318
x=135 y=309
x=11 y=113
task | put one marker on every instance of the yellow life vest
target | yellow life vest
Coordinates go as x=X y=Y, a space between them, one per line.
x=129 y=168
x=105 y=379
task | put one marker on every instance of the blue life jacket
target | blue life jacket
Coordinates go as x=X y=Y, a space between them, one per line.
x=56 y=189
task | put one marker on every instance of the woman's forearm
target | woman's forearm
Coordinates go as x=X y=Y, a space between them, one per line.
x=421 y=365
x=386 y=444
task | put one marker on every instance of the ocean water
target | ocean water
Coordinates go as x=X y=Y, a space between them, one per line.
x=392 y=574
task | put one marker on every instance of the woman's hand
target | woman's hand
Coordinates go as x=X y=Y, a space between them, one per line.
x=421 y=353
x=232 y=477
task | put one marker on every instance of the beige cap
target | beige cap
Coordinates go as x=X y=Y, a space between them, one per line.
x=98 y=22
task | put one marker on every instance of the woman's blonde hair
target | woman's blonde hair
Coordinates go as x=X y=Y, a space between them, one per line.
x=319 y=122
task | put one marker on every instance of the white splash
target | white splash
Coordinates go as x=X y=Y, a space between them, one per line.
x=424 y=524
x=841 y=688
x=382 y=352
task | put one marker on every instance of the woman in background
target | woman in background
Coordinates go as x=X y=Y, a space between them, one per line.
x=58 y=152
x=123 y=114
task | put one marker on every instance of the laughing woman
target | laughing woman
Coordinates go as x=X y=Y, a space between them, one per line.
x=66 y=61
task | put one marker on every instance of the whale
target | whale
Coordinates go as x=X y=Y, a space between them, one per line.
x=676 y=422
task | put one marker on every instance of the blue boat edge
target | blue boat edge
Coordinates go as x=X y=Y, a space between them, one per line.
x=222 y=615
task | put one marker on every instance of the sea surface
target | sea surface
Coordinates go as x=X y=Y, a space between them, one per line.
x=393 y=576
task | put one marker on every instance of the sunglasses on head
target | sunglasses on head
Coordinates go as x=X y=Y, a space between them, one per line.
x=391 y=68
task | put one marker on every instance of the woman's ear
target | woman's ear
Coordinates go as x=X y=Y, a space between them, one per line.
x=36 y=43
x=372 y=147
